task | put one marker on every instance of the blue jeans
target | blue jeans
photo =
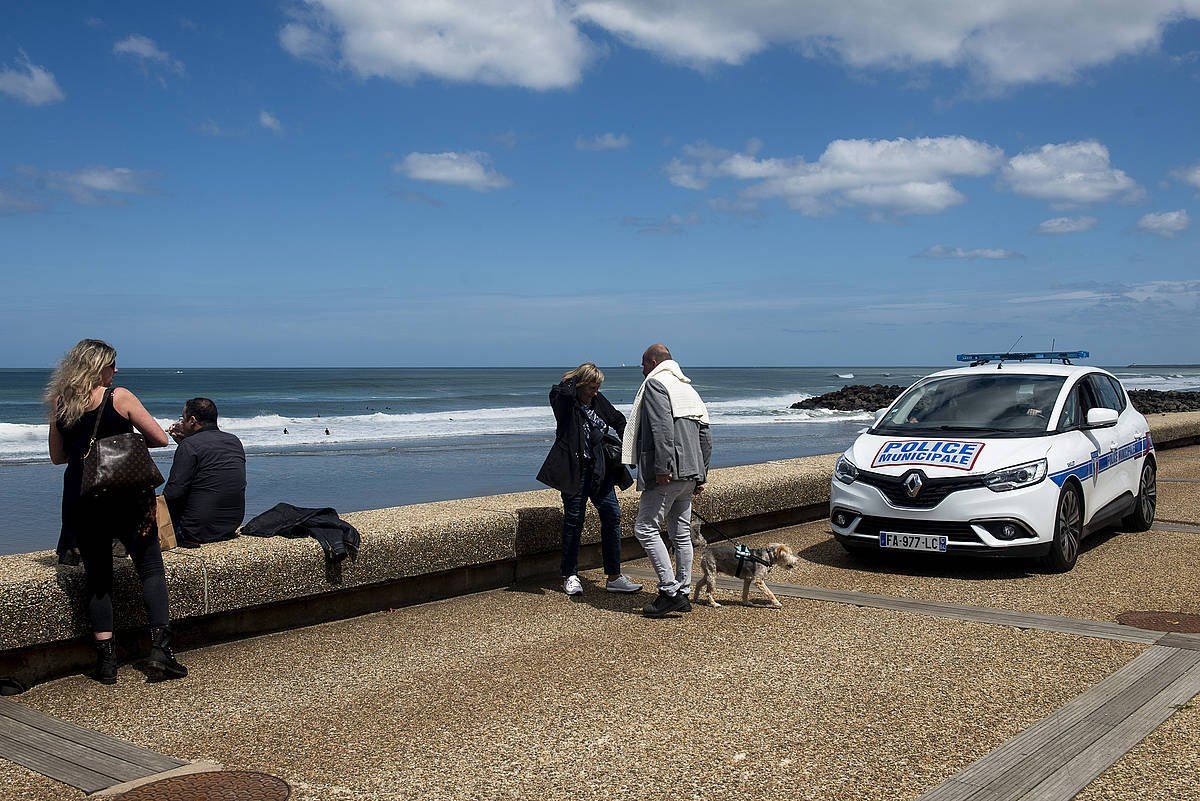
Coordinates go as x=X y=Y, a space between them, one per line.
x=574 y=507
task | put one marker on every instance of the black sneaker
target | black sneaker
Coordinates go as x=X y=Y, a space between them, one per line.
x=665 y=604
x=687 y=603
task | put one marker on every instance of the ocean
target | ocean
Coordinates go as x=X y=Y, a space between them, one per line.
x=399 y=436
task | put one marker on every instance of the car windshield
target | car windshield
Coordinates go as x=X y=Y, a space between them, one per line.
x=995 y=403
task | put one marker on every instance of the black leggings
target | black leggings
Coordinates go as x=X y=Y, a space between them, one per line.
x=100 y=523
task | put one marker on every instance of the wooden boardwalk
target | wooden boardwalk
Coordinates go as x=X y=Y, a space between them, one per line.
x=71 y=754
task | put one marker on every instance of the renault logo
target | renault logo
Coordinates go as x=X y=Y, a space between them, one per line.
x=913 y=483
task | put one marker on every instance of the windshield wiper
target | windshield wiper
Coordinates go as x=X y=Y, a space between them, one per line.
x=918 y=430
x=979 y=429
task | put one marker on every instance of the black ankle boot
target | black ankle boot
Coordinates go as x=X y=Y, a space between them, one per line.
x=106 y=661
x=161 y=659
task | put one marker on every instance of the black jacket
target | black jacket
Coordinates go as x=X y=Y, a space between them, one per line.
x=563 y=468
x=206 y=491
x=338 y=538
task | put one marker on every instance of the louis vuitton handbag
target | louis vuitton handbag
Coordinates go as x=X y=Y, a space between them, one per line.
x=117 y=464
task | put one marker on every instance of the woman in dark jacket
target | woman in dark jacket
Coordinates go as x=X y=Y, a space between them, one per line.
x=578 y=468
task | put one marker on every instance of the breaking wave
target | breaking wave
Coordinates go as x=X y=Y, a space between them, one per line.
x=22 y=442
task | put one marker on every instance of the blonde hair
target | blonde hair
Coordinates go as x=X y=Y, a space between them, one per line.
x=585 y=374
x=69 y=393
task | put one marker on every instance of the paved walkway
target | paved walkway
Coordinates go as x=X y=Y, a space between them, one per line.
x=524 y=694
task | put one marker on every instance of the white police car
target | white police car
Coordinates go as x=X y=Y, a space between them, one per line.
x=1002 y=458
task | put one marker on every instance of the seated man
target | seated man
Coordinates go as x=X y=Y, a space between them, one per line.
x=206 y=491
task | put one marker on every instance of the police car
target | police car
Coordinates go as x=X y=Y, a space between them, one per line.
x=1015 y=455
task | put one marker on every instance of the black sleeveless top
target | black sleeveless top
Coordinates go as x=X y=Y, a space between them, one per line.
x=77 y=436
x=75 y=443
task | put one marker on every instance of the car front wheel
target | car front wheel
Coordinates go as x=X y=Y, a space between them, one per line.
x=1142 y=516
x=1068 y=531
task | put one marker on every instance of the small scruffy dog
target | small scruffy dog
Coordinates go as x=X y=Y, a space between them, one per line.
x=751 y=565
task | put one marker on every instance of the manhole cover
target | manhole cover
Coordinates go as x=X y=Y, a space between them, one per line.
x=217 y=786
x=1162 y=621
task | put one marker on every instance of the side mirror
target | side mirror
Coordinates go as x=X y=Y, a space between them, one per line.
x=879 y=415
x=1101 y=418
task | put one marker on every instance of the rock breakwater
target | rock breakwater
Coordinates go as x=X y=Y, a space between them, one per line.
x=1154 y=401
x=863 y=397
x=854 y=398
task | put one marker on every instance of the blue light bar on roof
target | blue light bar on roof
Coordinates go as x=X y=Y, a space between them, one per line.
x=1054 y=355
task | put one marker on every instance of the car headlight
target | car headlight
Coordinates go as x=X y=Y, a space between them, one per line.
x=844 y=470
x=1011 y=478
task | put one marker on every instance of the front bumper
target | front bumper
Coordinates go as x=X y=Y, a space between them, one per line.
x=969 y=518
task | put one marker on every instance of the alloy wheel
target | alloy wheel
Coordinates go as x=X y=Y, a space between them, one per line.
x=1069 y=525
x=1148 y=493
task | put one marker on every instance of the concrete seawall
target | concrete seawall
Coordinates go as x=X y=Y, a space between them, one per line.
x=409 y=554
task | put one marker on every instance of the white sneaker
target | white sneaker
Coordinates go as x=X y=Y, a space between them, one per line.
x=572 y=585
x=622 y=584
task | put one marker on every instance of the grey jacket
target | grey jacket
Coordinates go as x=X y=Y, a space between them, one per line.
x=680 y=447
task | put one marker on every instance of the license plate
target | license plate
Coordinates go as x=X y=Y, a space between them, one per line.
x=912 y=542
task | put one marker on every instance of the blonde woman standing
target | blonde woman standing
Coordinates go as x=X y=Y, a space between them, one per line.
x=79 y=392
x=578 y=468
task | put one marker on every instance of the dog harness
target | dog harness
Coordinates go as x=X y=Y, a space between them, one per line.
x=745 y=555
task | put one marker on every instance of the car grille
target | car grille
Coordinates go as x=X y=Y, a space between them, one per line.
x=933 y=493
x=954 y=530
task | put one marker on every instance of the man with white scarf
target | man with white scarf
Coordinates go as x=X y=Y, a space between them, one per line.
x=669 y=443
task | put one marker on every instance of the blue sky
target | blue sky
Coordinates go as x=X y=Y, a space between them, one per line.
x=475 y=182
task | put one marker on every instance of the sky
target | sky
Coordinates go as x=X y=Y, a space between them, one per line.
x=540 y=182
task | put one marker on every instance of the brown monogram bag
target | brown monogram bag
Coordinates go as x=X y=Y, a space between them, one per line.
x=120 y=463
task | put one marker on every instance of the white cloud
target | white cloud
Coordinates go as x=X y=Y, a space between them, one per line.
x=1069 y=174
x=99 y=184
x=1067 y=225
x=269 y=121
x=987 y=254
x=472 y=170
x=541 y=44
x=1189 y=174
x=148 y=53
x=1169 y=224
x=308 y=40
x=211 y=127
x=671 y=224
x=530 y=43
x=604 y=141
x=1002 y=43
x=901 y=176
x=30 y=83
x=11 y=203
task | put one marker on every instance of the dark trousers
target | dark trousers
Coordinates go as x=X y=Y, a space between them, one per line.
x=100 y=522
x=574 y=507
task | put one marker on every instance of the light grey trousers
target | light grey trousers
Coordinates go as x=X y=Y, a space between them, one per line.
x=671 y=502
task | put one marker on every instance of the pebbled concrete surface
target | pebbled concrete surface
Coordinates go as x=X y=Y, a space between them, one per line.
x=1179 y=500
x=1163 y=766
x=525 y=694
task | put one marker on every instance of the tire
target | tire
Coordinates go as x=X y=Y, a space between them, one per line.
x=1068 y=531
x=1142 y=516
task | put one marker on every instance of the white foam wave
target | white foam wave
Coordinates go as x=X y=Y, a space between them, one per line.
x=1173 y=381
x=24 y=442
